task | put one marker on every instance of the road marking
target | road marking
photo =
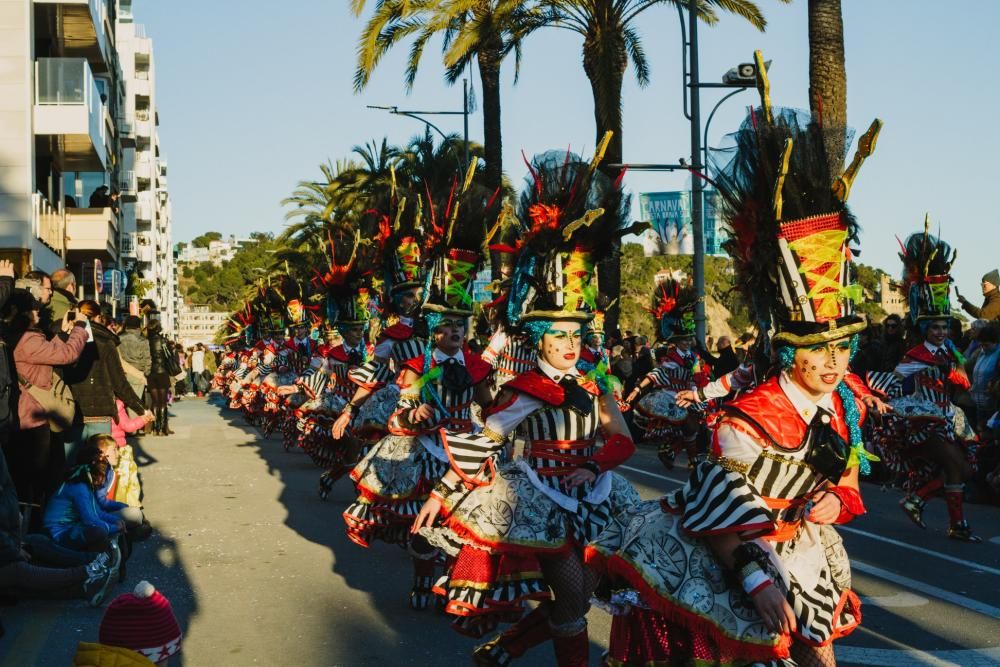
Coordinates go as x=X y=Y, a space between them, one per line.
x=995 y=540
x=897 y=601
x=652 y=474
x=927 y=589
x=927 y=552
x=887 y=657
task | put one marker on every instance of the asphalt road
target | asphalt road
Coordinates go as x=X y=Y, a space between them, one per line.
x=259 y=570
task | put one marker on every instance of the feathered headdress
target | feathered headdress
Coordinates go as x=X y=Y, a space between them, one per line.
x=673 y=309
x=790 y=231
x=573 y=216
x=349 y=299
x=457 y=248
x=927 y=262
x=396 y=220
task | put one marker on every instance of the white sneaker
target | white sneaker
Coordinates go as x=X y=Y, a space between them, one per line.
x=99 y=575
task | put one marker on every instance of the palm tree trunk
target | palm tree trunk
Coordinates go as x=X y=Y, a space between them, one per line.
x=489 y=73
x=604 y=62
x=828 y=77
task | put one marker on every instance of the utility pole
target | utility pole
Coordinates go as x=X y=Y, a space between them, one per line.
x=697 y=168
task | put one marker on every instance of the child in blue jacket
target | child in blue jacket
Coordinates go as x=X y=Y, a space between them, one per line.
x=73 y=518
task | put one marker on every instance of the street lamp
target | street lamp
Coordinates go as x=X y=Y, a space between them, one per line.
x=418 y=115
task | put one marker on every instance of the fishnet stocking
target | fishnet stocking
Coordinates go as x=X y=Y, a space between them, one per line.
x=572 y=585
x=813 y=656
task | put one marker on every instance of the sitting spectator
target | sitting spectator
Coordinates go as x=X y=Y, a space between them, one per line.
x=138 y=628
x=105 y=494
x=73 y=518
x=20 y=578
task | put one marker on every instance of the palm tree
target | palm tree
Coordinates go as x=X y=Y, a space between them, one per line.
x=828 y=76
x=483 y=32
x=610 y=41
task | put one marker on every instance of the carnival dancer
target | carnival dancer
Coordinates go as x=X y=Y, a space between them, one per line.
x=662 y=420
x=507 y=352
x=516 y=529
x=399 y=220
x=437 y=389
x=935 y=441
x=349 y=307
x=742 y=565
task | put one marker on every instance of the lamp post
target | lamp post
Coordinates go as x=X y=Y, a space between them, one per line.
x=419 y=115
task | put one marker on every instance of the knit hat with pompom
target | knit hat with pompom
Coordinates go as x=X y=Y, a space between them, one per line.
x=142 y=621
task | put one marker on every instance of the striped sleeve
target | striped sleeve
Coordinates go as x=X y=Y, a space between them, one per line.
x=314 y=381
x=718 y=498
x=885 y=384
x=368 y=374
x=469 y=453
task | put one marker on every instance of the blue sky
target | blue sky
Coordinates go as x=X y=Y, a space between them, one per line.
x=254 y=95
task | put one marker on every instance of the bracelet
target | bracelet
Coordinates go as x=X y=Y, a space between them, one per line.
x=756 y=582
x=746 y=553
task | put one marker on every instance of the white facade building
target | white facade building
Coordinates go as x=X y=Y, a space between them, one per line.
x=146 y=224
x=77 y=124
x=198 y=324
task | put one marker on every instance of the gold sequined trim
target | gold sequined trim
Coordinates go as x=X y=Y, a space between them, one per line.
x=732 y=465
x=492 y=435
x=406 y=396
x=785 y=459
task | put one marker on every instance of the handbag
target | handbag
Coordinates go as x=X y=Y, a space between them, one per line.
x=57 y=402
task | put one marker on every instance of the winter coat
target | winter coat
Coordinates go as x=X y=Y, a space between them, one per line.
x=135 y=350
x=990 y=309
x=161 y=362
x=97 y=378
x=75 y=504
x=125 y=424
x=102 y=655
x=60 y=303
x=34 y=358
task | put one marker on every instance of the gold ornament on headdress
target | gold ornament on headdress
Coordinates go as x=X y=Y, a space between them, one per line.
x=866 y=146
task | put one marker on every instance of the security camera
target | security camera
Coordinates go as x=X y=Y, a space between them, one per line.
x=743 y=74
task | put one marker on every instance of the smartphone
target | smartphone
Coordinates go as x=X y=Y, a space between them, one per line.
x=71 y=315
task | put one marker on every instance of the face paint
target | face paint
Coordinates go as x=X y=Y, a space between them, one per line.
x=560 y=345
x=449 y=336
x=818 y=369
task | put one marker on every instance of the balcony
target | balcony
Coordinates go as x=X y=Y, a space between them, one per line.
x=126 y=131
x=68 y=104
x=128 y=245
x=85 y=29
x=127 y=186
x=144 y=248
x=143 y=126
x=92 y=232
x=48 y=226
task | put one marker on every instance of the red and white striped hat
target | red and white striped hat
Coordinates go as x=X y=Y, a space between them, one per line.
x=142 y=621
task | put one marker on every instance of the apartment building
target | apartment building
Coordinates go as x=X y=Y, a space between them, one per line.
x=198 y=324
x=68 y=144
x=146 y=216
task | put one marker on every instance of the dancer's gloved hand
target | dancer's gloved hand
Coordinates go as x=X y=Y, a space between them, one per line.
x=427 y=514
x=774 y=610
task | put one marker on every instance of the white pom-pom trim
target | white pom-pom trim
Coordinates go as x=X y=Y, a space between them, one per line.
x=144 y=589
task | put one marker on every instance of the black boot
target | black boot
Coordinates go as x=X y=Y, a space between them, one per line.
x=166 y=423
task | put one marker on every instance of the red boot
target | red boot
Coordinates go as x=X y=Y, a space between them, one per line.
x=573 y=650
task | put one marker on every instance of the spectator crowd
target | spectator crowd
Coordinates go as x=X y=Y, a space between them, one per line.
x=75 y=383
